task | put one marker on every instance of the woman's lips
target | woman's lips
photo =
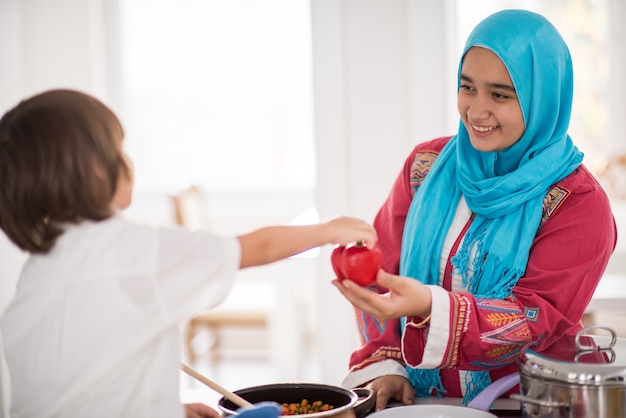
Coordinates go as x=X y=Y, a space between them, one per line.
x=482 y=130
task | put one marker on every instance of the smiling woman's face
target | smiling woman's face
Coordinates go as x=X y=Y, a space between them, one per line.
x=487 y=102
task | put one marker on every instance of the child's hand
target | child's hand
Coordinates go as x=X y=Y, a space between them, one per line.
x=346 y=230
x=199 y=410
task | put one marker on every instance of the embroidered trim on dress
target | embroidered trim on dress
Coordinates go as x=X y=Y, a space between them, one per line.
x=511 y=331
x=422 y=163
x=362 y=324
x=461 y=309
x=383 y=353
x=531 y=314
x=552 y=201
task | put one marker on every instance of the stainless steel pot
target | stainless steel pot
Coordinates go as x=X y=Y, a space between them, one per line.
x=347 y=403
x=579 y=376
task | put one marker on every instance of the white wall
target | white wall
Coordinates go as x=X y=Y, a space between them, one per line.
x=374 y=99
x=10 y=90
x=617 y=121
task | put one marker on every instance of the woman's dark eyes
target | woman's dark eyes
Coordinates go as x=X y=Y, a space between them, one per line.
x=496 y=95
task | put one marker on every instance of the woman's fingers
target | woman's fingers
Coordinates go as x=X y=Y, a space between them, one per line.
x=406 y=297
x=364 y=299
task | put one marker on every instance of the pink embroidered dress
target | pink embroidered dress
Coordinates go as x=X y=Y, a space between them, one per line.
x=569 y=253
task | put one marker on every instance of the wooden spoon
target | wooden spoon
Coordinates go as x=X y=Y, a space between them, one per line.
x=233 y=397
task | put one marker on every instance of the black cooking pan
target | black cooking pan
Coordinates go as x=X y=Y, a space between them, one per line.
x=346 y=403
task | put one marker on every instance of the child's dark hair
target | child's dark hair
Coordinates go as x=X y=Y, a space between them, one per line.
x=60 y=158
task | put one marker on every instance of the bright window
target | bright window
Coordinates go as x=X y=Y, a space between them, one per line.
x=218 y=93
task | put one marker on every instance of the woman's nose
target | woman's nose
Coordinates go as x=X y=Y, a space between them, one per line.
x=479 y=108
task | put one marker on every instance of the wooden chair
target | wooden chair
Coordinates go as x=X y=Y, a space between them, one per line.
x=238 y=311
x=234 y=313
x=189 y=208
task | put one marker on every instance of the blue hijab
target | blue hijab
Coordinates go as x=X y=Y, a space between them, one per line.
x=504 y=189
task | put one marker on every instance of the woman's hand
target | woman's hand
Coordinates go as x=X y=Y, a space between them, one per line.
x=200 y=410
x=405 y=297
x=392 y=386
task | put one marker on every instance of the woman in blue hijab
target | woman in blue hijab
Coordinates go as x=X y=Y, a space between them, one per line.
x=491 y=238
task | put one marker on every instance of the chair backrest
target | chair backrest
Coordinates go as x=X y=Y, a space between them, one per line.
x=190 y=209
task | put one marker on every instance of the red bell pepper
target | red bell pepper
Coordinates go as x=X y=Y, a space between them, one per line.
x=357 y=263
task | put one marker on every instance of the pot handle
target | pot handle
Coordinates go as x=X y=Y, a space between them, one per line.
x=582 y=347
x=485 y=399
x=541 y=402
x=366 y=402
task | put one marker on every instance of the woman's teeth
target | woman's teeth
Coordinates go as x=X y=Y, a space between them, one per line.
x=483 y=128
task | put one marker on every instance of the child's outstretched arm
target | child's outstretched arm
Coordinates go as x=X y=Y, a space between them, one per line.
x=274 y=243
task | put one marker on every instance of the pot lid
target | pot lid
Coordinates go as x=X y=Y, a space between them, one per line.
x=582 y=359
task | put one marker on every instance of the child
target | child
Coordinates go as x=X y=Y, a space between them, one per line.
x=93 y=328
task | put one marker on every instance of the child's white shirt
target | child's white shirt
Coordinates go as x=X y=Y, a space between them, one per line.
x=93 y=330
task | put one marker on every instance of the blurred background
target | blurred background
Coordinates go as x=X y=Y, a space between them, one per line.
x=288 y=111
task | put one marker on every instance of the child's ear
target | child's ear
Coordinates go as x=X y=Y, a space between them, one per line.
x=97 y=168
x=99 y=187
x=124 y=187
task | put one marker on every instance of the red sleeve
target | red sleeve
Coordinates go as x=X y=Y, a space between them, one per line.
x=569 y=255
x=566 y=262
x=381 y=341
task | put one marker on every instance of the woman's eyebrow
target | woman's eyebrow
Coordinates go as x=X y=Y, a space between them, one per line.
x=466 y=78
x=495 y=85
